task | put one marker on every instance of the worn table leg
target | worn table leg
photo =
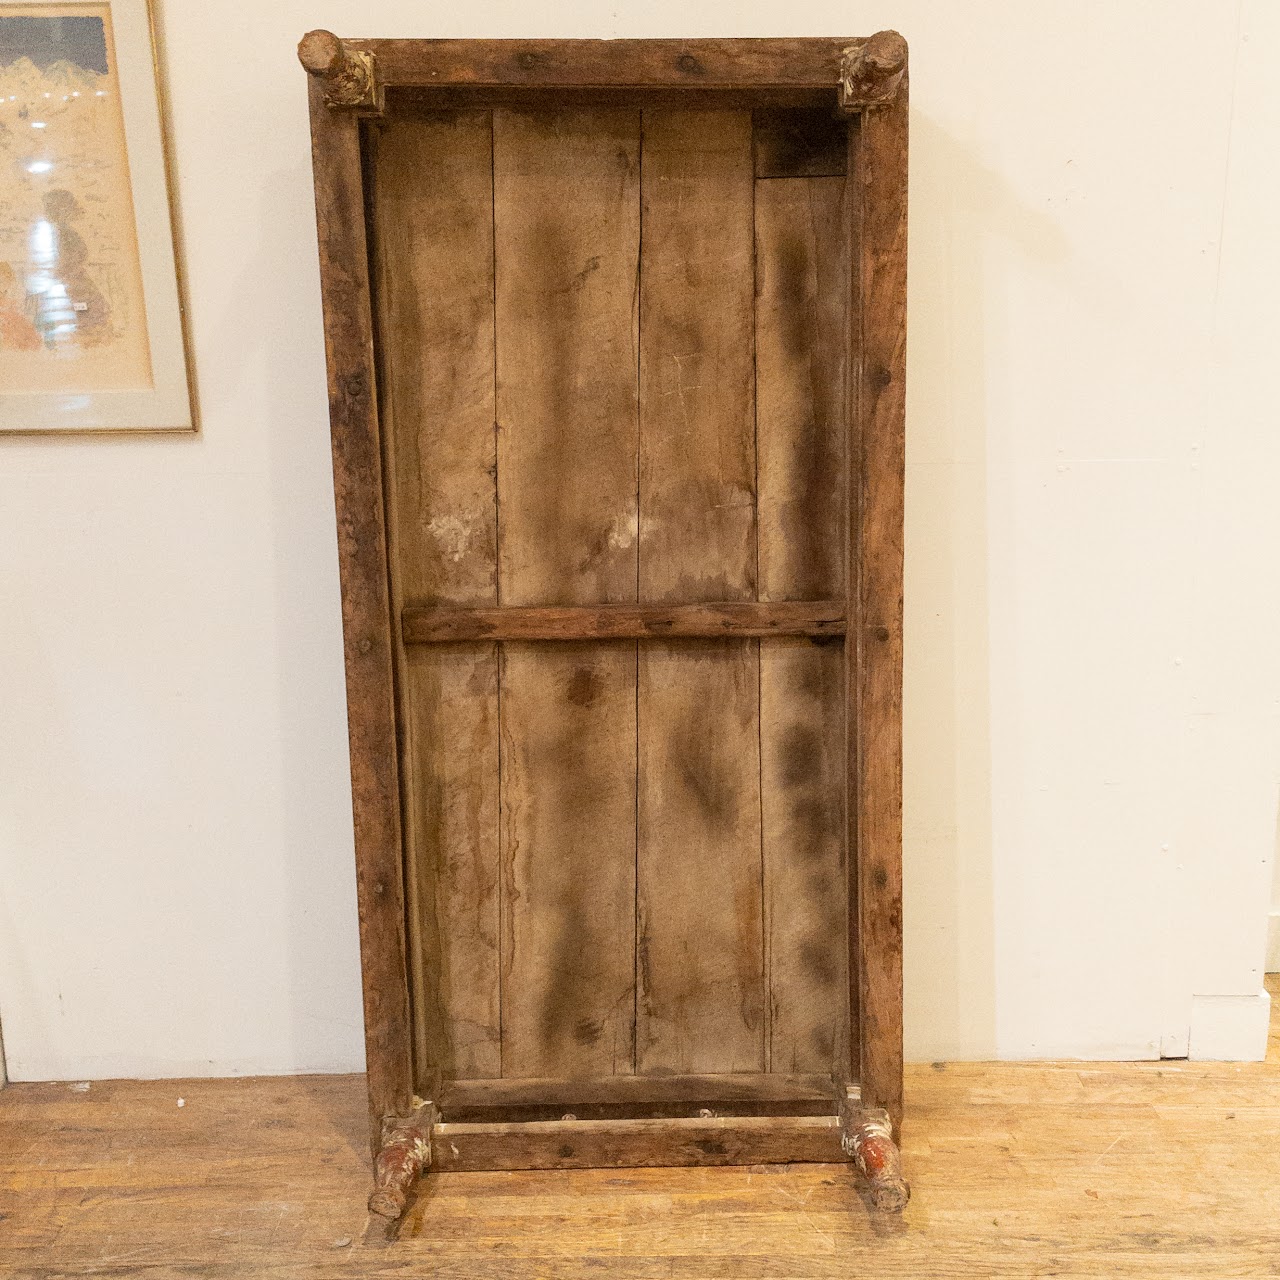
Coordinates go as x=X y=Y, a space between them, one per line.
x=868 y=1141
x=405 y=1156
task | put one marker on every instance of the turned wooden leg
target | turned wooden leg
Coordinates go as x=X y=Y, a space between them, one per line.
x=405 y=1155
x=868 y=1140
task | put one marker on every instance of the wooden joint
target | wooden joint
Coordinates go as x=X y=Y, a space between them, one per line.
x=871 y=72
x=349 y=76
x=404 y=1156
x=866 y=1134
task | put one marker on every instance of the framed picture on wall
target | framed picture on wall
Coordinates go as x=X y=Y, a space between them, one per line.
x=91 y=329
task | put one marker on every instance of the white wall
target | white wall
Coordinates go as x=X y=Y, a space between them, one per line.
x=1092 y=687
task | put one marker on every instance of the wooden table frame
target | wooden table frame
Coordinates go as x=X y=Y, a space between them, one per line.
x=865 y=79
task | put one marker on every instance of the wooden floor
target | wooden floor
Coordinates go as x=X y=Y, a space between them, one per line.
x=1020 y=1170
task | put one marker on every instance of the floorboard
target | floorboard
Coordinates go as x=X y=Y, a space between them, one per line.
x=1165 y=1169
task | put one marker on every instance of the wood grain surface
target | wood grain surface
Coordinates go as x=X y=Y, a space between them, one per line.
x=433 y=253
x=802 y=354
x=699 y=1001
x=700 y=972
x=636 y=1144
x=1139 y=1171
x=801 y=358
x=877 y=403
x=697 y=368
x=802 y=758
x=433 y=257
x=693 y=64
x=630 y=1096
x=425 y=625
x=567 y=441
x=451 y=828
x=567 y=230
x=568 y=859
x=367 y=636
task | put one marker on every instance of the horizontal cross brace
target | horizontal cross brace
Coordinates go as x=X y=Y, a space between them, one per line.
x=735 y=619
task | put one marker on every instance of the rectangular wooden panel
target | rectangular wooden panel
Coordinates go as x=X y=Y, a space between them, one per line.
x=434 y=260
x=700 y=993
x=607 y=1144
x=877 y=415
x=567 y=229
x=802 y=756
x=567 y=226
x=688 y=64
x=434 y=253
x=700 y=974
x=801 y=339
x=568 y=859
x=624 y=621
x=450 y=696
x=367 y=636
x=801 y=307
x=636 y=1097
x=697 y=387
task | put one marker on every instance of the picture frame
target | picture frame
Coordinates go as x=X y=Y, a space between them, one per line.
x=92 y=331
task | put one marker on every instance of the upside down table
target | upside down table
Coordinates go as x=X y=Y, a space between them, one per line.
x=615 y=338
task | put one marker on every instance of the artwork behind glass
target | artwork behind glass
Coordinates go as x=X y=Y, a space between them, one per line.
x=72 y=314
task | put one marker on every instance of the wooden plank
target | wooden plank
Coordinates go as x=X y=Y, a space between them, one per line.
x=568 y=858
x=801 y=341
x=802 y=756
x=700 y=999
x=791 y=143
x=694 y=64
x=878 y=213
x=434 y=253
x=366 y=610
x=567 y=516
x=636 y=1097
x=459 y=97
x=700 y=990
x=697 y=438
x=567 y=226
x=451 y=826
x=623 y=622
x=611 y=1144
x=434 y=262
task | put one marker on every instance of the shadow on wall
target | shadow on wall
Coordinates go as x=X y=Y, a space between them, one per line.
x=319 y=985
x=959 y=207
x=310 y=615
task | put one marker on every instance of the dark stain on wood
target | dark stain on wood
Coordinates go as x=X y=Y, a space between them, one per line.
x=799 y=144
x=582 y=687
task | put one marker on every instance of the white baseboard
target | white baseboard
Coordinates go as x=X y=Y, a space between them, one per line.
x=1229 y=1028
x=1273 y=942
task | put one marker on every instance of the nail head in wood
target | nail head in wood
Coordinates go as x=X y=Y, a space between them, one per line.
x=871 y=71
x=348 y=75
